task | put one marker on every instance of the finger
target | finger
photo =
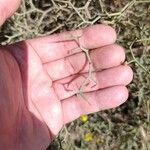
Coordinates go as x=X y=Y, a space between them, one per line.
x=121 y=75
x=108 y=98
x=102 y=58
x=6 y=10
x=60 y=45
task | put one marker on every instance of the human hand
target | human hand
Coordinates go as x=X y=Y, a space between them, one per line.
x=46 y=66
x=36 y=72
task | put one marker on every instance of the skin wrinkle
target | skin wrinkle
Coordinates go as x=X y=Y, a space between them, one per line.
x=68 y=66
x=70 y=82
x=69 y=52
x=77 y=34
x=75 y=84
x=30 y=45
x=71 y=39
x=67 y=61
x=101 y=79
x=76 y=70
x=99 y=62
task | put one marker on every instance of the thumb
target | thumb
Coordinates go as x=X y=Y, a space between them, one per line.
x=7 y=8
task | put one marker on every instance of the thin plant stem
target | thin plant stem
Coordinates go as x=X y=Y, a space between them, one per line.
x=135 y=60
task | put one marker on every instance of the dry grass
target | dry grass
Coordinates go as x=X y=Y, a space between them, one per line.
x=126 y=127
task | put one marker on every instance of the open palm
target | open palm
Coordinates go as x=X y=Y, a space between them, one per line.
x=53 y=68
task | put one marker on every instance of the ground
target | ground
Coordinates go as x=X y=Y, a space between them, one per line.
x=128 y=126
